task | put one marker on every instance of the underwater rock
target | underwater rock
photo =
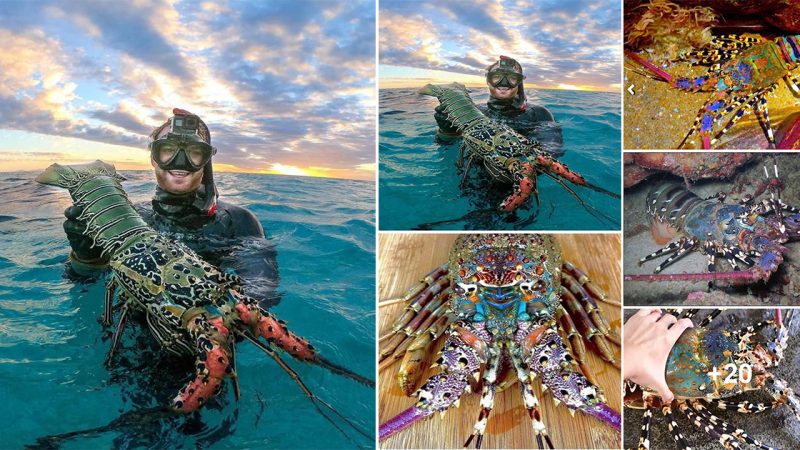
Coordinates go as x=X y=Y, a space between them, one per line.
x=782 y=14
x=692 y=166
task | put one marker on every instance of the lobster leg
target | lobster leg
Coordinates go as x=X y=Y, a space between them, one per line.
x=531 y=402
x=524 y=184
x=272 y=329
x=782 y=393
x=462 y=356
x=591 y=308
x=460 y=161
x=117 y=334
x=710 y=249
x=487 y=397
x=421 y=322
x=727 y=428
x=419 y=296
x=575 y=340
x=466 y=172
x=751 y=100
x=587 y=328
x=587 y=283
x=743 y=406
x=791 y=80
x=108 y=313
x=707 y=320
x=762 y=106
x=725 y=439
x=671 y=248
x=414 y=361
x=705 y=118
x=686 y=244
x=690 y=313
x=212 y=364
x=680 y=441
x=644 y=437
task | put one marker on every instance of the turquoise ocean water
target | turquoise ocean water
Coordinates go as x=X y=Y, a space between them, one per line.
x=419 y=182
x=52 y=377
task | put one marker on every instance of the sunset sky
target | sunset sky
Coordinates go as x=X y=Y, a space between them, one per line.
x=561 y=44
x=285 y=86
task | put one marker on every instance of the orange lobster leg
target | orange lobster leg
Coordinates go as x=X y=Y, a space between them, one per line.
x=524 y=184
x=550 y=165
x=213 y=363
x=274 y=330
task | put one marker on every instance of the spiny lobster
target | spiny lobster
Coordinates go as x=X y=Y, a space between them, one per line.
x=507 y=156
x=744 y=70
x=708 y=366
x=191 y=307
x=510 y=309
x=749 y=232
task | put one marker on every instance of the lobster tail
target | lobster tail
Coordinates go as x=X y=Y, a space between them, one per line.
x=67 y=176
x=95 y=187
x=458 y=105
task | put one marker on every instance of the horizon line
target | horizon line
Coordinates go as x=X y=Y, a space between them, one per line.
x=123 y=167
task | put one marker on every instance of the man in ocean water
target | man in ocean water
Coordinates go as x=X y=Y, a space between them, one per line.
x=508 y=105
x=185 y=207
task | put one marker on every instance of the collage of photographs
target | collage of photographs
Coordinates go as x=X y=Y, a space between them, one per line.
x=400 y=224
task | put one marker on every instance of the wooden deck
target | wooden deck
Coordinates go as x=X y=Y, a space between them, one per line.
x=403 y=260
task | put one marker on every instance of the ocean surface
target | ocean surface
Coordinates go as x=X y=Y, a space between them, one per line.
x=52 y=347
x=419 y=181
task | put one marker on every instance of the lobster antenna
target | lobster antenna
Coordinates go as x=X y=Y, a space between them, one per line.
x=314 y=399
x=591 y=209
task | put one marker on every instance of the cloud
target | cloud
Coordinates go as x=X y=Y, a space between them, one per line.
x=553 y=39
x=290 y=81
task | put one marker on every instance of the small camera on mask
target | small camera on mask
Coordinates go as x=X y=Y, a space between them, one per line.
x=185 y=124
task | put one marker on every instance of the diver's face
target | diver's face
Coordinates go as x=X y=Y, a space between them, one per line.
x=503 y=93
x=177 y=181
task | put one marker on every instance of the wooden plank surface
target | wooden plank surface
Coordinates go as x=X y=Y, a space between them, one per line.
x=403 y=259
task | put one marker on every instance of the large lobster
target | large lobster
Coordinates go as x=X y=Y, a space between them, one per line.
x=507 y=156
x=707 y=369
x=743 y=72
x=749 y=234
x=507 y=308
x=191 y=307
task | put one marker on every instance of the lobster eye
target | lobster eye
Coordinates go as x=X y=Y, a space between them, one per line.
x=526 y=287
x=468 y=288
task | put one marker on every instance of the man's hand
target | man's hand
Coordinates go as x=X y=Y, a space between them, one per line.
x=81 y=243
x=446 y=129
x=649 y=337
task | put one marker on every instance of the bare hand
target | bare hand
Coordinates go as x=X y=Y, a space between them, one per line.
x=649 y=337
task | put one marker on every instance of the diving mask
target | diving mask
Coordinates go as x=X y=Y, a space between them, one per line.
x=180 y=145
x=503 y=78
x=506 y=72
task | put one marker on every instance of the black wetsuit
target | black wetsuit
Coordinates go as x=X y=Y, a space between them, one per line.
x=231 y=239
x=532 y=121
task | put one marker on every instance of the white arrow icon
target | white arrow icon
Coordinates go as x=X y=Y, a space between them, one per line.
x=630 y=89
